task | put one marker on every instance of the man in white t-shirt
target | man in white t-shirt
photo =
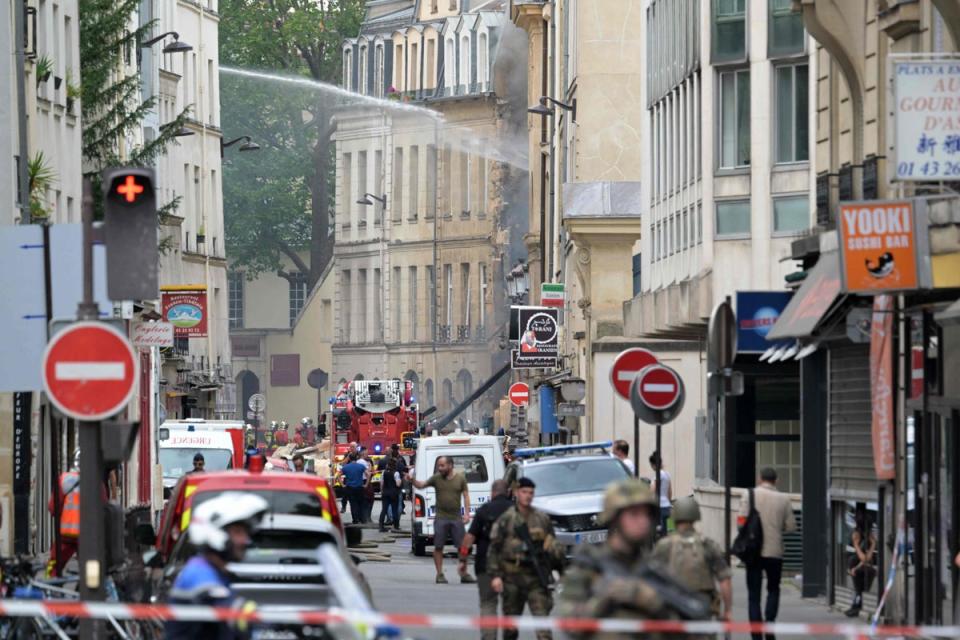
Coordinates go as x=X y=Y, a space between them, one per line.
x=666 y=491
x=621 y=451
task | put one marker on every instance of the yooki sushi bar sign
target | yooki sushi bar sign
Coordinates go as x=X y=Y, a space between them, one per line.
x=878 y=246
x=185 y=307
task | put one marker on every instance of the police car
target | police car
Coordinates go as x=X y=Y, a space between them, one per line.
x=571 y=481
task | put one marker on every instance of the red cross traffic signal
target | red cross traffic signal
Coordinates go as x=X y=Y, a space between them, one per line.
x=130 y=233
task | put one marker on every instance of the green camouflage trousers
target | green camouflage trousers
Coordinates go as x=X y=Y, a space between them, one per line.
x=522 y=589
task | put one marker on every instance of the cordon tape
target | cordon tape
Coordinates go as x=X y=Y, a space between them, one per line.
x=118 y=611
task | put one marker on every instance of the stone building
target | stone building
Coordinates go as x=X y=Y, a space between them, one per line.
x=421 y=222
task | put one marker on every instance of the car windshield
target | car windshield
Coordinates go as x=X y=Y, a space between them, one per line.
x=178 y=461
x=575 y=476
x=472 y=466
x=298 y=503
x=284 y=546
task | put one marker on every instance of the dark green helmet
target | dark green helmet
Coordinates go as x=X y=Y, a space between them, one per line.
x=686 y=510
x=624 y=494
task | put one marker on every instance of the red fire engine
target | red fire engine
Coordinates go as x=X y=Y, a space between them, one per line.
x=375 y=414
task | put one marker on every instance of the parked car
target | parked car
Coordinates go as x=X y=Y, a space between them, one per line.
x=571 y=481
x=478 y=457
x=287 y=493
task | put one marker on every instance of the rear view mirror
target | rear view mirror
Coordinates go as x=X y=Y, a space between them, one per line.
x=144 y=534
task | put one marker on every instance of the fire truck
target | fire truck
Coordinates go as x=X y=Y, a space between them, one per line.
x=375 y=414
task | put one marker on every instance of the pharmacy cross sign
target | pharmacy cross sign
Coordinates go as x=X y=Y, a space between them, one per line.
x=89 y=371
x=130 y=189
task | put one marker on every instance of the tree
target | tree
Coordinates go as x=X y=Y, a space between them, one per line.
x=111 y=106
x=279 y=200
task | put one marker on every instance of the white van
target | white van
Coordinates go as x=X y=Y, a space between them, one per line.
x=220 y=442
x=478 y=457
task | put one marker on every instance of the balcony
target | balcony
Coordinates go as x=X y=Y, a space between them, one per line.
x=444 y=332
x=463 y=333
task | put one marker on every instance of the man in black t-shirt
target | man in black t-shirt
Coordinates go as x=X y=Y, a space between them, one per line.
x=479 y=532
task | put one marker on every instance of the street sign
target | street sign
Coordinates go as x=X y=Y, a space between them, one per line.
x=626 y=367
x=657 y=394
x=519 y=394
x=257 y=402
x=551 y=294
x=89 y=371
x=571 y=410
x=721 y=337
x=152 y=334
x=878 y=246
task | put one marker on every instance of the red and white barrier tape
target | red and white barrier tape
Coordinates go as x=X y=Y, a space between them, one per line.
x=118 y=611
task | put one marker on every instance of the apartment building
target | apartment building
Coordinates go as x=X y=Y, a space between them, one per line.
x=420 y=224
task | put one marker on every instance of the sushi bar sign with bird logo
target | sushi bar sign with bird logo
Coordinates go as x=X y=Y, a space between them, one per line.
x=878 y=246
x=185 y=307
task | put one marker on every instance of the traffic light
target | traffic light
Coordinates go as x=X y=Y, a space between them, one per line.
x=130 y=233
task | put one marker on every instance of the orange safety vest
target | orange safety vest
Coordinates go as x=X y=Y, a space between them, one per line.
x=70 y=509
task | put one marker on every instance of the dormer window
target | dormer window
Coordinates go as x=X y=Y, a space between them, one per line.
x=362 y=71
x=378 y=71
x=347 y=69
x=465 y=63
x=450 y=66
x=483 y=64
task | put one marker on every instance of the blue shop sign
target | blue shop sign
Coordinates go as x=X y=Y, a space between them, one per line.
x=757 y=312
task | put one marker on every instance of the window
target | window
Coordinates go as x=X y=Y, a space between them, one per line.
x=431 y=196
x=378 y=71
x=235 y=299
x=377 y=305
x=378 y=187
x=434 y=8
x=448 y=177
x=413 y=304
x=733 y=218
x=347 y=69
x=395 y=289
x=397 y=184
x=482 y=63
x=362 y=185
x=465 y=288
x=792 y=120
x=414 y=67
x=450 y=66
x=298 y=294
x=361 y=296
x=791 y=215
x=430 y=80
x=482 y=318
x=729 y=30
x=465 y=64
x=734 y=119
x=414 y=172
x=398 y=68
x=346 y=295
x=784 y=29
x=472 y=466
x=465 y=166
x=326 y=317
x=432 y=292
x=347 y=191
x=448 y=276
x=362 y=71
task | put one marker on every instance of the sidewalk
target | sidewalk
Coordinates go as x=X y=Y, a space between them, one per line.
x=793 y=608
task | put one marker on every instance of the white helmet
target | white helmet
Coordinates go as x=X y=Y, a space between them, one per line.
x=210 y=519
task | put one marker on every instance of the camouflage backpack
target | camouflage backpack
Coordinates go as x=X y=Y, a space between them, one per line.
x=688 y=562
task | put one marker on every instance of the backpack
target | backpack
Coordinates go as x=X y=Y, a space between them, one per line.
x=749 y=542
x=688 y=562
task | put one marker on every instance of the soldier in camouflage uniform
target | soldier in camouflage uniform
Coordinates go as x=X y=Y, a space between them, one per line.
x=695 y=560
x=513 y=564
x=603 y=581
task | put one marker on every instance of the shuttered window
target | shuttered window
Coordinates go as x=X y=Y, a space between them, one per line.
x=851 y=446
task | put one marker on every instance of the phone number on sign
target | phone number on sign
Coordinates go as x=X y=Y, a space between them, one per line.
x=932 y=169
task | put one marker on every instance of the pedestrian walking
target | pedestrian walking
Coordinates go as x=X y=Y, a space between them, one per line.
x=353 y=477
x=695 y=560
x=666 y=490
x=522 y=556
x=451 y=487
x=863 y=568
x=776 y=517
x=479 y=533
x=621 y=451
x=611 y=581
x=391 y=485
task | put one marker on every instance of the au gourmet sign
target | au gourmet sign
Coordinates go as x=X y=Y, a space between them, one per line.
x=927 y=119
x=878 y=246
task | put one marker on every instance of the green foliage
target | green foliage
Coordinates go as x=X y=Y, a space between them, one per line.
x=275 y=198
x=40 y=177
x=43 y=69
x=111 y=108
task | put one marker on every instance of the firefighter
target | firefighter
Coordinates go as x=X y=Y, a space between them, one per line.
x=69 y=488
x=282 y=435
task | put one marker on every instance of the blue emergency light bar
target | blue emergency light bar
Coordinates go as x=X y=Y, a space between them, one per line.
x=561 y=449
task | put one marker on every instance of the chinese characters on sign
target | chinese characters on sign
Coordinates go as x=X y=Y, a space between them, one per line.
x=881 y=387
x=187 y=311
x=878 y=246
x=927 y=119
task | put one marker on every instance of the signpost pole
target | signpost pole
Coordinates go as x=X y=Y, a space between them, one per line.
x=636 y=446
x=659 y=467
x=91 y=552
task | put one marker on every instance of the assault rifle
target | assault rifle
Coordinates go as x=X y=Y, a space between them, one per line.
x=689 y=605
x=543 y=569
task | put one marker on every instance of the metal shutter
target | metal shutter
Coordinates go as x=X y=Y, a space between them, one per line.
x=851 y=446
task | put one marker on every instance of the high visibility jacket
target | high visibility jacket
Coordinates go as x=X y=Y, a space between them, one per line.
x=70 y=505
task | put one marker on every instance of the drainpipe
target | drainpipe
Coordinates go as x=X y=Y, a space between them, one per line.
x=23 y=186
x=543 y=166
x=199 y=92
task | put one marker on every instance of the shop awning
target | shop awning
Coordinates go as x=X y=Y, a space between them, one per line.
x=950 y=315
x=811 y=304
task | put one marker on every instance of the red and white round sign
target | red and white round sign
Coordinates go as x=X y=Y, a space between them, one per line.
x=659 y=387
x=519 y=394
x=628 y=366
x=89 y=371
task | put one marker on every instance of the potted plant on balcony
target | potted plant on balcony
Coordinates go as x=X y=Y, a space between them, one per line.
x=40 y=177
x=201 y=235
x=43 y=69
x=73 y=92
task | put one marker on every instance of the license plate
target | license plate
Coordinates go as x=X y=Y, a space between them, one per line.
x=591 y=537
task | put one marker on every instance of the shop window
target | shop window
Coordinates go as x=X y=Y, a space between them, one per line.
x=792 y=121
x=734 y=119
x=791 y=214
x=782 y=455
x=729 y=30
x=784 y=29
x=733 y=218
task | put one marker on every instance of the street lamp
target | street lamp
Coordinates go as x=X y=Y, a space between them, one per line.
x=181 y=132
x=174 y=47
x=542 y=108
x=573 y=389
x=368 y=199
x=518 y=282
x=248 y=144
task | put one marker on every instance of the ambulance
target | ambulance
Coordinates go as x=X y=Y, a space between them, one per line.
x=220 y=442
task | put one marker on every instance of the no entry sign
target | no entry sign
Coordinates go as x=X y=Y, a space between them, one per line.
x=519 y=394
x=627 y=367
x=657 y=394
x=89 y=371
